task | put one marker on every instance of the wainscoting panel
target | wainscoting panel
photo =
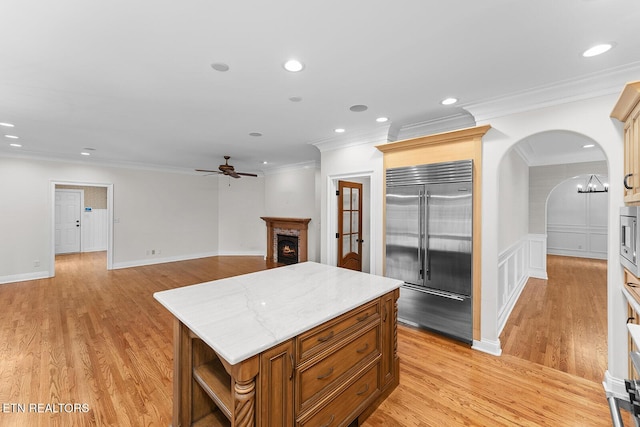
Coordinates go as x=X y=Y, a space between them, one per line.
x=578 y=241
x=525 y=258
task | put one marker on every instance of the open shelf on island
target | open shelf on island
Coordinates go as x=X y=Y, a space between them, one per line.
x=216 y=382
x=214 y=419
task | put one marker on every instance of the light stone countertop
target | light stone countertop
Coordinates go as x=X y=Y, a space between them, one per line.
x=242 y=316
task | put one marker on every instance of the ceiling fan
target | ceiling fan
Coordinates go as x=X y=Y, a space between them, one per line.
x=227 y=169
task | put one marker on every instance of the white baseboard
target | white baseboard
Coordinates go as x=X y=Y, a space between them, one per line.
x=250 y=253
x=614 y=387
x=486 y=346
x=24 y=277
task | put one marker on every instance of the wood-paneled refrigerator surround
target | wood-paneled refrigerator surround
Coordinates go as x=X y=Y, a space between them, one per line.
x=462 y=144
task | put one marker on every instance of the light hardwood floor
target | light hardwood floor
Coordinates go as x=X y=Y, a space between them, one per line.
x=562 y=322
x=98 y=338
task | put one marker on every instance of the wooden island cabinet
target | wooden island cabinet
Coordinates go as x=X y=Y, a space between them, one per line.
x=304 y=345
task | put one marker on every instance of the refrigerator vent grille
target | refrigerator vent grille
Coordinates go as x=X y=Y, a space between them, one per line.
x=458 y=171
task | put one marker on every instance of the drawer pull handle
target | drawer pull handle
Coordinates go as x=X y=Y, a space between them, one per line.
x=326 y=338
x=363 y=390
x=363 y=348
x=292 y=365
x=626 y=181
x=329 y=422
x=327 y=375
x=364 y=317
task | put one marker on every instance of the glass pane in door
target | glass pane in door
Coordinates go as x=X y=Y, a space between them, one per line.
x=346 y=244
x=346 y=222
x=346 y=199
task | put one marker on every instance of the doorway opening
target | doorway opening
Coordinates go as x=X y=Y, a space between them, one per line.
x=368 y=218
x=81 y=218
x=555 y=308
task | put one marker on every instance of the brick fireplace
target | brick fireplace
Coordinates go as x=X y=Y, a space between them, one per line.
x=292 y=234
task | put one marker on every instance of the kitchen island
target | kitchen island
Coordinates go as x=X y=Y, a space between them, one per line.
x=306 y=345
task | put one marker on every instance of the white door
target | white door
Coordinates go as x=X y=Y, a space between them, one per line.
x=68 y=208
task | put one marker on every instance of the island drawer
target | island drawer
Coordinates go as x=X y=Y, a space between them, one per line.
x=327 y=334
x=333 y=369
x=347 y=404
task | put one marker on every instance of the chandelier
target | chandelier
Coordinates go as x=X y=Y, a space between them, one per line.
x=594 y=185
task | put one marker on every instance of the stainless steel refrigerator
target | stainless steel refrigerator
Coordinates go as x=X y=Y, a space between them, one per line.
x=429 y=222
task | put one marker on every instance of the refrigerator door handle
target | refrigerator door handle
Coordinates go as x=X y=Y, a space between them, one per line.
x=434 y=292
x=421 y=233
x=427 y=265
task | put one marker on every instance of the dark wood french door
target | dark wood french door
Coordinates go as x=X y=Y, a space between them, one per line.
x=349 y=225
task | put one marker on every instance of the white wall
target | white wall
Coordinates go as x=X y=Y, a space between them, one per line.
x=577 y=222
x=241 y=204
x=176 y=214
x=513 y=190
x=291 y=193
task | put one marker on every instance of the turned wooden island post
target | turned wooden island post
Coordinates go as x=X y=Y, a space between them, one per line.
x=305 y=345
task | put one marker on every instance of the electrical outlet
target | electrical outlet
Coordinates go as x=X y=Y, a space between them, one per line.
x=153 y=251
x=36 y=263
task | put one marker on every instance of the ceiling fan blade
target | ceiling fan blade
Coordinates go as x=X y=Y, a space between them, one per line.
x=205 y=170
x=232 y=173
x=246 y=174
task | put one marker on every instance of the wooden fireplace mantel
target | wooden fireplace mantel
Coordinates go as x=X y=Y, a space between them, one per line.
x=300 y=224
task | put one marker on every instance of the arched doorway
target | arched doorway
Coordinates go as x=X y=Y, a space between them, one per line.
x=534 y=167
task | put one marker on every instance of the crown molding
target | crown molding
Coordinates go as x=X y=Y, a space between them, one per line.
x=460 y=120
x=607 y=82
x=98 y=162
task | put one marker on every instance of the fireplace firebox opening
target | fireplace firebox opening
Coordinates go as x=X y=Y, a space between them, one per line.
x=287 y=249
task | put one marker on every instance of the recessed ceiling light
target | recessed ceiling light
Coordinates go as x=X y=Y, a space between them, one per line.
x=11 y=136
x=596 y=50
x=449 y=101
x=84 y=153
x=7 y=125
x=295 y=99
x=588 y=146
x=265 y=162
x=220 y=66
x=339 y=130
x=15 y=145
x=89 y=149
x=358 y=108
x=255 y=134
x=293 y=65
x=382 y=119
